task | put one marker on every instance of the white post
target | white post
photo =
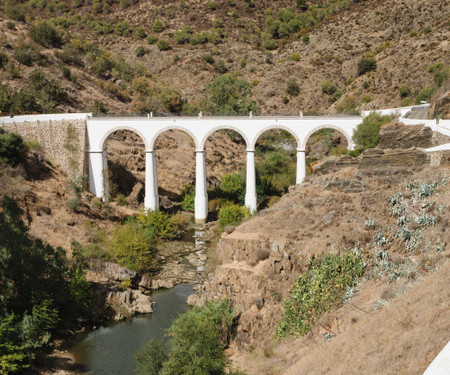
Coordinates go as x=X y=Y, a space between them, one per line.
x=250 y=191
x=151 y=199
x=97 y=166
x=301 y=166
x=201 y=195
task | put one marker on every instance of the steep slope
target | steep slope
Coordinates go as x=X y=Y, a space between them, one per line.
x=407 y=39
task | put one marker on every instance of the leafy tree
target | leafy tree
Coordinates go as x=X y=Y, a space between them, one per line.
x=159 y=221
x=133 y=246
x=367 y=134
x=37 y=290
x=149 y=359
x=230 y=96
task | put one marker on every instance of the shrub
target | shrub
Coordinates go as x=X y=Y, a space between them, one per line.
x=404 y=91
x=152 y=39
x=328 y=87
x=219 y=67
x=159 y=221
x=189 y=202
x=163 y=45
x=366 y=64
x=208 y=58
x=122 y=28
x=231 y=214
x=295 y=57
x=45 y=35
x=292 y=87
x=12 y=148
x=150 y=358
x=140 y=32
x=27 y=53
x=441 y=76
x=305 y=39
x=317 y=290
x=199 y=38
x=121 y=200
x=230 y=96
x=232 y=185
x=198 y=338
x=141 y=51
x=348 y=105
x=425 y=95
x=182 y=36
x=158 y=26
x=367 y=134
x=3 y=59
x=132 y=245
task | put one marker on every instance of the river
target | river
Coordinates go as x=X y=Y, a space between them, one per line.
x=109 y=349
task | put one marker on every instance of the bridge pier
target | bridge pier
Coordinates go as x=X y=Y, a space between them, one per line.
x=151 y=199
x=250 y=191
x=201 y=195
x=97 y=165
x=301 y=166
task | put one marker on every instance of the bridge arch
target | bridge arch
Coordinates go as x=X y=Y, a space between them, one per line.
x=152 y=142
x=338 y=128
x=224 y=127
x=274 y=127
x=107 y=134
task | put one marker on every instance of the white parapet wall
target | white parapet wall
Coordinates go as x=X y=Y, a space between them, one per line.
x=400 y=111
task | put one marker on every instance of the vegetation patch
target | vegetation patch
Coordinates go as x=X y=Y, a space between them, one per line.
x=317 y=290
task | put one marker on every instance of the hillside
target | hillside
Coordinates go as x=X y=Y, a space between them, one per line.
x=397 y=307
x=107 y=56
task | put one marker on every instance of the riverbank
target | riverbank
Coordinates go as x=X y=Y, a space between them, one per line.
x=183 y=267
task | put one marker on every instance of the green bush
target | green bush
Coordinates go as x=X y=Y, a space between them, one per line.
x=292 y=87
x=160 y=222
x=163 y=45
x=295 y=57
x=122 y=28
x=189 y=202
x=208 y=58
x=230 y=96
x=12 y=148
x=367 y=134
x=121 y=200
x=150 y=358
x=348 y=105
x=231 y=214
x=198 y=338
x=158 y=26
x=404 y=91
x=3 y=59
x=152 y=39
x=45 y=35
x=140 y=51
x=317 y=290
x=199 y=38
x=140 y=32
x=182 y=36
x=232 y=185
x=425 y=95
x=132 y=245
x=27 y=53
x=366 y=64
x=328 y=87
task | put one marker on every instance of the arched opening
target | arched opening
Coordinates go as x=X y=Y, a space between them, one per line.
x=225 y=156
x=275 y=163
x=324 y=142
x=175 y=164
x=125 y=172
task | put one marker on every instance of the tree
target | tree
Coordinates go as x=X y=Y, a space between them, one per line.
x=292 y=87
x=367 y=134
x=230 y=96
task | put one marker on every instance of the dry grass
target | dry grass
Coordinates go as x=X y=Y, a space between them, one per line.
x=402 y=338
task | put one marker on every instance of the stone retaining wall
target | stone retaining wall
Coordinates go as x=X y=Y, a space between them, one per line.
x=62 y=141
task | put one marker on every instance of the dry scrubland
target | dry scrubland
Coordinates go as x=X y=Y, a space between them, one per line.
x=406 y=37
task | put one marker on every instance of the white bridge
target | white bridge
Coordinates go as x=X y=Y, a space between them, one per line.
x=200 y=128
x=250 y=128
